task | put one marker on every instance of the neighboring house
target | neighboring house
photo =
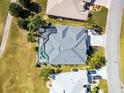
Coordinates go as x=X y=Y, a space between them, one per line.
x=63 y=45
x=73 y=82
x=72 y=9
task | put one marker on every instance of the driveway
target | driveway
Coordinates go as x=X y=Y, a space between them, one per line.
x=95 y=39
x=103 y=72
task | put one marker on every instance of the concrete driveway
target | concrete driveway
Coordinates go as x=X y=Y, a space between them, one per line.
x=95 y=39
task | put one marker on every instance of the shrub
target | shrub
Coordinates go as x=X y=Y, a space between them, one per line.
x=97 y=60
x=23 y=23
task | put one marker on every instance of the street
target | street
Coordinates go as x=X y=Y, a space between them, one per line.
x=113 y=29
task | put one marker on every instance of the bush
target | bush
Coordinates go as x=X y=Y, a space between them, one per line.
x=75 y=69
x=45 y=72
x=23 y=23
x=36 y=48
x=97 y=60
x=58 y=70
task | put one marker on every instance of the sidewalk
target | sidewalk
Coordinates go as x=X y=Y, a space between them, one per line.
x=6 y=32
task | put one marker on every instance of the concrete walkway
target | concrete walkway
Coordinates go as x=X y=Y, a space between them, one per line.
x=103 y=72
x=6 y=32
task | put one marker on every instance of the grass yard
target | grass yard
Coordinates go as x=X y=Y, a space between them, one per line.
x=98 y=17
x=103 y=85
x=101 y=17
x=3 y=15
x=122 y=50
x=18 y=73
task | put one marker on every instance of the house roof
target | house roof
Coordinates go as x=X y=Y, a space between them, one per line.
x=68 y=45
x=71 y=82
x=67 y=8
x=74 y=82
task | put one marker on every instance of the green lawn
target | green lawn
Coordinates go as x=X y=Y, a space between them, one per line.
x=101 y=17
x=122 y=51
x=98 y=17
x=3 y=14
x=18 y=73
x=103 y=85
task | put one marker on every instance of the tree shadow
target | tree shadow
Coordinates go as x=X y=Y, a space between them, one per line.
x=34 y=7
x=25 y=14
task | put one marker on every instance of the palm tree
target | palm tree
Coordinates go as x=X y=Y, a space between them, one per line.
x=31 y=37
x=34 y=22
x=33 y=26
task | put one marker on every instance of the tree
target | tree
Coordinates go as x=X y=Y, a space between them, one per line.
x=31 y=37
x=15 y=9
x=34 y=7
x=97 y=60
x=34 y=23
x=25 y=3
x=45 y=72
x=23 y=23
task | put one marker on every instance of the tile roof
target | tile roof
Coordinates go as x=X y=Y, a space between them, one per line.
x=74 y=9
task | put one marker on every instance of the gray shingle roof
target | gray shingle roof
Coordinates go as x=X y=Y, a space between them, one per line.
x=67 y=46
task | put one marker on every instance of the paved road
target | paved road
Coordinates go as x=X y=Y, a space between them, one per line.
x=112 y=45
x=6 y=32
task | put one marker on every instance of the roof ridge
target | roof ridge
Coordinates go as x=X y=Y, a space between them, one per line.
x=74 y=51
